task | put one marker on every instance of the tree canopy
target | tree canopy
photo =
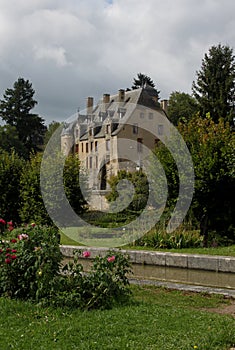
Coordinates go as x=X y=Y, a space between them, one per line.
x=15 y=111
x=215 y=85
x=182 y=107
x=141 y=80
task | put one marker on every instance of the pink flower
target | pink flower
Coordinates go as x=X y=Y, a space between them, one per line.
x=13 y=240
x=111 y=258
x=3 y=222
x=8 y=255
x=13 y=257
x=13 y=250
x=33 y=224
x=86 y=254
x=10 y=223
x=23 y=236
x=7 y=261
x=10 y=228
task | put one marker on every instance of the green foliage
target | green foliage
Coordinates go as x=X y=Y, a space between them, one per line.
x=141 y=188
x=103 y=286
x=180 y=239
x=73 y=180
x=182 y=107
x=29 y=260
x=141 y=80
x=215 y=85
x=11 y=166
x=53 y=126
x=15 y=111
x=9 y=141
x=32 y=207
x=30 y=269
x=212 y=150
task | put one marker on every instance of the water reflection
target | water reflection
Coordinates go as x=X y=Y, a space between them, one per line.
x=175 y=274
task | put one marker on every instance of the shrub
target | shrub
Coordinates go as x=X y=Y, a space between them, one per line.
x=176 y=240
x=31 y=268
x=104 y=285
x=29 y=260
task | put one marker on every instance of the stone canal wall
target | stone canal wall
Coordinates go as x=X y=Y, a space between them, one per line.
x=215 y=263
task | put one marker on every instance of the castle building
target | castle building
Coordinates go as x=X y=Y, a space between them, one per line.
x=114 y=134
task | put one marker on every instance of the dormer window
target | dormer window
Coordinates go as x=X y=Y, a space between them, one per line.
x=121 y=112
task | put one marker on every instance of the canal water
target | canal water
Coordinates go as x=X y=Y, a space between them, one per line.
x=177 y=275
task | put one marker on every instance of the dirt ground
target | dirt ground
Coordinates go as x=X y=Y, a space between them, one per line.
x=225 y=309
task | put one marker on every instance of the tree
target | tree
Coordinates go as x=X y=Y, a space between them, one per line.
x=141 y=187
x=15 y=111
x=50 y=130
x=182 y=107
x=32 y=203
x=215 y=85
x=141 y=80
x=11 y=166
x=9 y=140
x=212 y=149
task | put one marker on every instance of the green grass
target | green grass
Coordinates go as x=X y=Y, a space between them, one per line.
x=65 y=240
x=226 y=251
x=157 y=319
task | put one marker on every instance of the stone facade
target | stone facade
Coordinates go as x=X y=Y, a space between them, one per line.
x=115 y=134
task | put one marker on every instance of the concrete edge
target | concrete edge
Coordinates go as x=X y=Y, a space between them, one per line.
x=215 y=263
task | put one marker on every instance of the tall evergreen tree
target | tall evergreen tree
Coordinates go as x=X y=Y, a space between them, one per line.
x=141 y=80
x=215 y=85
x=15 y=111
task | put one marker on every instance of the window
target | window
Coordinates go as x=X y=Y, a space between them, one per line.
x=135 y=129
x=156 y=141
x=160 y=129
x=139 y=145
x=76 y=148
x=91 y=146
x=87 y=147
x=87 y=162
x=96 y=146
x=90 y=162
x=90 y=131
x=142 y=115
x=96 y=162
x=121 y=112
x=107 y=129
x=82 y=147
x=107 y=145
x=150 y=115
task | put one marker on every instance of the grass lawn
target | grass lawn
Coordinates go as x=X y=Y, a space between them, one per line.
x=156 y=319
x=226 y=251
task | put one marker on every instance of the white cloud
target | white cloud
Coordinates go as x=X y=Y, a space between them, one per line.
x=57 y=54
x=75 y=48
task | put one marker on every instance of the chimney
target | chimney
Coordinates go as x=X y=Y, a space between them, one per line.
x=164 y=105
x=89 y=105
x=121 y=95
x=106 y=98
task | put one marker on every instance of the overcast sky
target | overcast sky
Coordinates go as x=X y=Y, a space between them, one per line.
x=71 y=49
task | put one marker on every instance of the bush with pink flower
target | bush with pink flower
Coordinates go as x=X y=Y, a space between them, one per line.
x=31 y=269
